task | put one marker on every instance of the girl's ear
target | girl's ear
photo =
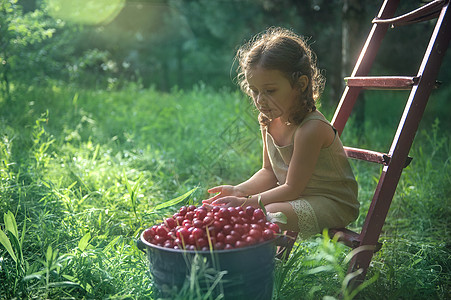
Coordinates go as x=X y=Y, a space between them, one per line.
x=303 y=83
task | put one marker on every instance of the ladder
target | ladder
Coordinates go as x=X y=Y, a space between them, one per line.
x=397 y=158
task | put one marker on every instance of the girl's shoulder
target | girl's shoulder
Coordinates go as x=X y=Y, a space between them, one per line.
x=315 y=127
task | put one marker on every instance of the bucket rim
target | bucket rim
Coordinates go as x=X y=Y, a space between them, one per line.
x=183 y=251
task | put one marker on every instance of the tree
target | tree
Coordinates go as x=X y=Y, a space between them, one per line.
x=17 y=31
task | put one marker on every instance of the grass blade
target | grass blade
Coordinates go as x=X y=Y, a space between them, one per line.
x=175 y=200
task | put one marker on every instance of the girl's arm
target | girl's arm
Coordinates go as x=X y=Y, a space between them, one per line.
x=308 y=141
x=264 y=179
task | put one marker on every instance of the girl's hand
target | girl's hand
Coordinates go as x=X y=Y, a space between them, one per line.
x=229 y=201
x=223 y=191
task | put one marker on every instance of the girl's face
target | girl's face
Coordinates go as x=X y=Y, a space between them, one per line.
x=272 y=92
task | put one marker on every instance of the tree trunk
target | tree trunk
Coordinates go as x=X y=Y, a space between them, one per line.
x=352 y=43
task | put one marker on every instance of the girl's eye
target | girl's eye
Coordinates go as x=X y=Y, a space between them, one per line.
x=270 y=91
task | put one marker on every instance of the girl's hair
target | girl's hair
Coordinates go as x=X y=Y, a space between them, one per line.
x=283 y=50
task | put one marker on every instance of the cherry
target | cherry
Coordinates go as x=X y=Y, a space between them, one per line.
x=274 y=227
x=148 y=234
x=183 y=210
x=250 y=211
x=258 y=214
x=170 y=223
x=256 y=234
x=268 y=234
x=196 y=228
x=198 y=233
x=230 y=239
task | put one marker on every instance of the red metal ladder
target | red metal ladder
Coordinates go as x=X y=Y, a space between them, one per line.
x=397 y=158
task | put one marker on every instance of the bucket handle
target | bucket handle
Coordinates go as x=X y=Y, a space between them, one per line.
x=141 y=246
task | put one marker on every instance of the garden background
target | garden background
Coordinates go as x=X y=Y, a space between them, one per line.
x=109 y=108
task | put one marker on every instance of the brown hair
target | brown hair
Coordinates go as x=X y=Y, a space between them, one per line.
x=283 y=50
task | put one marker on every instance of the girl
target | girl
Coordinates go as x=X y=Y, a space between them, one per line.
x=305 y=172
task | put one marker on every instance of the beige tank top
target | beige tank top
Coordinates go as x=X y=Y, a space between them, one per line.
x=332 y=178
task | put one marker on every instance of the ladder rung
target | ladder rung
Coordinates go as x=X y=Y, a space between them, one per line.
x=371 y=156
x=367 y=155
x=383 y=82
x=424 y=13
x=350 y=238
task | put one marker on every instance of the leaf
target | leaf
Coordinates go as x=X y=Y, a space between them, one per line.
x=7 y=244
x=49 y=254
x=175 y=200
x=32 y=276
x=111 y=244
x=83 y=243
x=278 y=217
x=10 y=224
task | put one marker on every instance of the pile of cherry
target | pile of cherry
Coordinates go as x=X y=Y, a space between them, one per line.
x=196 y=228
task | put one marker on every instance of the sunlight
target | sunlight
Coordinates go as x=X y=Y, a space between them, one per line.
x=89 y=12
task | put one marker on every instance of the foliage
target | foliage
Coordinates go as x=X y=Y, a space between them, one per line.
x=82 y=172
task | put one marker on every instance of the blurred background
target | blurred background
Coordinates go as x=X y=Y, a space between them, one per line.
x=167 y=43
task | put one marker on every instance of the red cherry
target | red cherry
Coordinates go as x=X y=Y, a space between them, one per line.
x=168 y=244
x=159 y=240
x=219 y=245
x=236 y=220
x=183 y=234
x=230 y=239
x=224 y=213
x=274 y=227
x=162 y=231
x=197 y=223
x=201 y=242
x=198 y=233
x=256 y=234
x=258 y=214
x=228 y=247
x=239 y=228
x=268 y=234
x=183 y=210
x=186 y=223
x=200 y=213
x=250 y=211
x=179 y=220
x=227 y=229
x=220 y=237
x=208 y=220
x=148 y=234
x=233 y=211
x=256 y=226
x=217 y=225
x=235 y=234
x=215 y=209
x=240 y=244
x=189 y=215
x=191 y=208
x=250 y=240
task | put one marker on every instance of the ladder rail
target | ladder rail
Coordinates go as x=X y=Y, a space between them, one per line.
x=402 y=142
x=424 y=13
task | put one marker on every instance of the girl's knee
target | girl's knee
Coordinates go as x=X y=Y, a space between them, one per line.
x=287 y=210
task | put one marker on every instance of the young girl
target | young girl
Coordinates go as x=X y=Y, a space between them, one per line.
x=305 y=172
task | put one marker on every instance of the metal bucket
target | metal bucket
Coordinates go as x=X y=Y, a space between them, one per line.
x=249 y=271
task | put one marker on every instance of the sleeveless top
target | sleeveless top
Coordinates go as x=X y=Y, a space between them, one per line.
x=332 y=178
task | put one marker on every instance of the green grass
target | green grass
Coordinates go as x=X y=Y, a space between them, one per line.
x=83 y=171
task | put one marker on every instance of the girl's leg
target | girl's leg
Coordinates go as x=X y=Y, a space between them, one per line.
x=287 y=209
x=301 y=217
